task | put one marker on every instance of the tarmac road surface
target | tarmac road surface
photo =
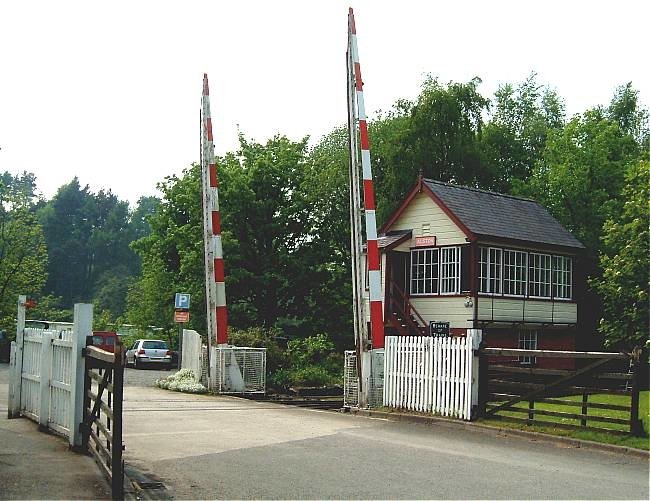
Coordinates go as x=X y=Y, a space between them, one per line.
x=205 y=447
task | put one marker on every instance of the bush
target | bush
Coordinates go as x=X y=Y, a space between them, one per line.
x=258 y=337
x=184 y=380
x=312 y=361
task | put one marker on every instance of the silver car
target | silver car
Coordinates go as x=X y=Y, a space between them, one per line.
x=149 y=351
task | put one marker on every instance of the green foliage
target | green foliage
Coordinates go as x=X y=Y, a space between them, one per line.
x=88 y=236
x=515 y=137
x=581 y=174
x=437 y=136
x=257 y=337
x=312 y=361
x=624 y=283
x=23 y=255
x=50 y=307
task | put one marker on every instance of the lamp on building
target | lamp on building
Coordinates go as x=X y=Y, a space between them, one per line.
x=468 y=302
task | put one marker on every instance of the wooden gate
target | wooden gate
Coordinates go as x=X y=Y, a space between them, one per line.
x=102 y=424
x=519 y=392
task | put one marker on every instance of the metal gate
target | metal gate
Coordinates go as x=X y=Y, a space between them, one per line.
x=238 y=370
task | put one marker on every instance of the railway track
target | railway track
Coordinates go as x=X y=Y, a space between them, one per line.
x=326 y=402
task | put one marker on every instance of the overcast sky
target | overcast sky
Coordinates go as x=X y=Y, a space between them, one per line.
x=110 y=91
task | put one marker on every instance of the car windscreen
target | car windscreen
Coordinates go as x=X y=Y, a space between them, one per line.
x=154 y=345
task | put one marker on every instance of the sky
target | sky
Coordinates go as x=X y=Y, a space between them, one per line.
x=110 y=91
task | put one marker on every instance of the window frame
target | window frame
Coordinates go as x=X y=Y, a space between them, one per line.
x=452 y=253
x=529 y=339
x=542 y=271
x=452 y=264
x=488 y=266
x=522 y=268
x=483 y=268
x=434 y=251
x=566 y=285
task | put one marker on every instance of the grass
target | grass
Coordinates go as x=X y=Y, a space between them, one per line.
x=596 y=436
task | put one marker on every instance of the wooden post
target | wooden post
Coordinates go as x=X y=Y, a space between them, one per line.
x=117 y=465
x=81 y=329
x=636 y=426
x=531 y=412
x=483 y=371
x=44 y=384
x=14 y=404
x=585 y=398
x=85 y=430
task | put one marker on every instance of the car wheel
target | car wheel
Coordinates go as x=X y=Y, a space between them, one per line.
x=136 y=365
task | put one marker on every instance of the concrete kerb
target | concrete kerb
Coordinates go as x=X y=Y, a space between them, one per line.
x=430 y=420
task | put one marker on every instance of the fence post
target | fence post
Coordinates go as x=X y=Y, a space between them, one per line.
x=636 y=426
x=16 y=382
x=44 y=385
x=117 y=465
x=483 y=371
x=475 y=336
x=12 y=378
x=82 y=327
x=585 y=400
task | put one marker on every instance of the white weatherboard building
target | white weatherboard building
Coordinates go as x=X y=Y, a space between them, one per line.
x=480 y=260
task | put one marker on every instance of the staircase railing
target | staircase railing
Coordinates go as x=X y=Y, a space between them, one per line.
x=400 y=304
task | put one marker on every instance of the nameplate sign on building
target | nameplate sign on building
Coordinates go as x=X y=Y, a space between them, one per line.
x=425 y=241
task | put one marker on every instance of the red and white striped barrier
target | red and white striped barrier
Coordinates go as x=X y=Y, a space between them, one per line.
x=216 y=290
x=374 y=273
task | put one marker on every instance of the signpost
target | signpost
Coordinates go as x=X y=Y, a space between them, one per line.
x=182 y=301
x=181 y=316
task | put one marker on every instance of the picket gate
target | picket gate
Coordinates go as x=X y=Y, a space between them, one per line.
x=46 y=374
x=432 y=374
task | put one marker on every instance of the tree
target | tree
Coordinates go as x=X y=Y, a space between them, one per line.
x=171 y=256
x=436 y=136
x=581 y=174
x=515 y=137
x=632 y=119
x=88 y=236
x=23 y=256
x=625 y=263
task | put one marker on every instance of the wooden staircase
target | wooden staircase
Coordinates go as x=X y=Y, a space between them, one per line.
x=401 y=316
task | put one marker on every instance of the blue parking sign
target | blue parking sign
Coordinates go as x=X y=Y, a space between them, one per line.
x=182 y=301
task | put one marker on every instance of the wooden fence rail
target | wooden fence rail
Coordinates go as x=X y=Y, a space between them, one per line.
x=103 y=395
x=504 y=387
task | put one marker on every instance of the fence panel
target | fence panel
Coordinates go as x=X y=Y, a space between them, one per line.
x=192 y=352
x=31 y=374
x=431 y=374
x=61 y=381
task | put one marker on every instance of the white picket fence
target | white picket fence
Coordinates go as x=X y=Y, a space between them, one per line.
x=46 y=374
x=428 y=374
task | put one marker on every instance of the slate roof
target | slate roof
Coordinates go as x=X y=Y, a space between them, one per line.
x=486 y=213
x=392 y=237
x=388 y=240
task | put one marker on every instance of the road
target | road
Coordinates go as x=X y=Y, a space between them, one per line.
x=224 y=447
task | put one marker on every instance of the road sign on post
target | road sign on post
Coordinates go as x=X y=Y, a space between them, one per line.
x=181 y=317
x=182 y=301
